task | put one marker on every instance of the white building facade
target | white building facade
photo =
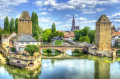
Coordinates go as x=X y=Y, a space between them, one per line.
x=115 y=40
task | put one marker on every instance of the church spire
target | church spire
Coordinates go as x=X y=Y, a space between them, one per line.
x=73 y=22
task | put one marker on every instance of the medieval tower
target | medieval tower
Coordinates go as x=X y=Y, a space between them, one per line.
x=103 y=33
x=25 y=23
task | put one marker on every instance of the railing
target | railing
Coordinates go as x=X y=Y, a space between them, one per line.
x=60 y=46
x=25 y=57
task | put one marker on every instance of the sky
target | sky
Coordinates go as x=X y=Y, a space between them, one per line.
x=61 y=12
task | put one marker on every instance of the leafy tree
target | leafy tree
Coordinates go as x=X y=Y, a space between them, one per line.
x=84 y=39
x=6 y=24
x=36 y=30
x=31 y=49
x=16 y=25
x=91 y=36
x=12 y=25
x=77 y=34
x=85 y=31
x=53 y=28
x=47 y=35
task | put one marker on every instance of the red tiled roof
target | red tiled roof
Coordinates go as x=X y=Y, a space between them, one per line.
x=66 y=36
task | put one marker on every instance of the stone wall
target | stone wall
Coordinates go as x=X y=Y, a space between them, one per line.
x=94 y=51
x=24 y=26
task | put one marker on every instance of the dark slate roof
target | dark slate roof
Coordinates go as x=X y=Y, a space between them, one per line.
x=103 y=18
x=25 y=16
x=18 y=35
x=26 y=38
x=57 y=38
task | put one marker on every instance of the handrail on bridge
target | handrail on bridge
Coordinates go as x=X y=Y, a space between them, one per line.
x=59 y=46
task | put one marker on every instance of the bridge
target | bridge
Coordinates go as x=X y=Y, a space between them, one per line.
x=61 y=48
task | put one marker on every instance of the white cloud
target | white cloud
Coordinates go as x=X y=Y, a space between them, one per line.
x=43 y=13
x=7 y=6
x=81 y=19
x=43 y=19
x=42 y=9
x=50 y=9
x=77 y=4
x=76 y=14
x=91 y=11
x=58 y=23
x=18 y=16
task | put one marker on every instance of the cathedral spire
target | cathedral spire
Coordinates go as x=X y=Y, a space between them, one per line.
x=73 y=22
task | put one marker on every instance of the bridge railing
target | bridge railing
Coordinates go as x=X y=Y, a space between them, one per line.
x=59 y=46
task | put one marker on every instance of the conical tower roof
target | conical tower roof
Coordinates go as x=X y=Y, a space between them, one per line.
x=103 y=18
x=113 y=27
x=25 y=16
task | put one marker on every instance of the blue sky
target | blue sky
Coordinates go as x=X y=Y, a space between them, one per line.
x=86 y=12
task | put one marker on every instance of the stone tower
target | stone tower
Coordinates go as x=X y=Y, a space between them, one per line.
x=113 y=29
x=103 y=34
x=25 y=23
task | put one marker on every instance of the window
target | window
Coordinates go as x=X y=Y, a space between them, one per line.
x=22 y=43
x=18 y=61
x=33 y=43
x=27 y=42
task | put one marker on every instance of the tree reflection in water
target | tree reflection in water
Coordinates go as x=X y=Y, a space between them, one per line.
x=21 y=73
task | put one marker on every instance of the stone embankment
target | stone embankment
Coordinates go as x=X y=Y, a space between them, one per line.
x=94 y=51
x=2 y=59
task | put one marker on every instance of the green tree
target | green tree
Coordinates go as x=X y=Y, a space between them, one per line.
x=91 y=36
x=47 y=35
x=85 y=31
x=6 y=24
x=31 y=49
x=53 y=28
x=77 y=35
x=84 y=39
x=16 y=25
x=12 y=27
x=36 y=30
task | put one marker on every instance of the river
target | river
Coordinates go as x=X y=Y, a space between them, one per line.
x=65 y=69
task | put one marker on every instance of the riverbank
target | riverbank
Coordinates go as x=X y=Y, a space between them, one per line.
x=2 y=59
x=84 y=56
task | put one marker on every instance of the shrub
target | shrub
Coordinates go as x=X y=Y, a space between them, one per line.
x=13 y=49
x=31 y=49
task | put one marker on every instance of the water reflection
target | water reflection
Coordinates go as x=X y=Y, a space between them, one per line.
x=102 y=70
x=10 y=72
x=65 y=69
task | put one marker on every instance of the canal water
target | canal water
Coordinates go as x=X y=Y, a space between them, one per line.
x=65 y=69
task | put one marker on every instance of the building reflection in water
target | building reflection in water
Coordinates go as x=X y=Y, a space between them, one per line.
x=102 y=70
x=19 y=73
